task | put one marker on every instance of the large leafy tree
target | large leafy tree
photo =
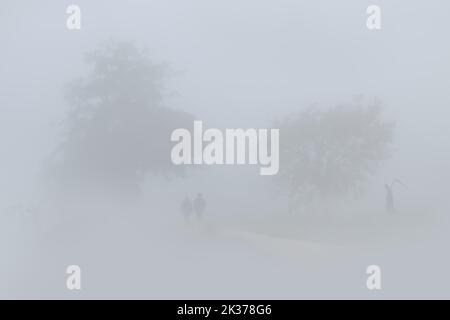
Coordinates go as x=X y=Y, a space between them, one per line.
x=330 y=153
x=118 y=127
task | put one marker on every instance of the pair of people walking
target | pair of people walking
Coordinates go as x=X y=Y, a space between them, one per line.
x=196 y=207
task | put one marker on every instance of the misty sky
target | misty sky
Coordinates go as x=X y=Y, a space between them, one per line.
x=259 y=59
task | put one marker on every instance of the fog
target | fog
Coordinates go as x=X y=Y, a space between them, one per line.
x=357 y=110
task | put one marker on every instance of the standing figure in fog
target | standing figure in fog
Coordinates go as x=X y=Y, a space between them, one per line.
x=187 y=209
x=390 y=208
x=199 y=206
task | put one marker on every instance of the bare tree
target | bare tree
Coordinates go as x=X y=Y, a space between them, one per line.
x=331 y=153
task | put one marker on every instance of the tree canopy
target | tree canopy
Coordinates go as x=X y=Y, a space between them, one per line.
x=327 y=153
x=118 y=127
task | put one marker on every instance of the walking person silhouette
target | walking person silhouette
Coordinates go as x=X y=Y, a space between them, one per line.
x=390 y=207
x=390 y=204
x=187 y=209
x=199 y=206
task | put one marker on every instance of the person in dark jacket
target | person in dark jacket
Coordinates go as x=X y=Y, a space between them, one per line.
x=199 y=206
x=390 y=208
x=187 y=209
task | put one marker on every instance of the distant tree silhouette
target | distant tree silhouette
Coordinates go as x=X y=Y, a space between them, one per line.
x=324 y=154
x=118 y=128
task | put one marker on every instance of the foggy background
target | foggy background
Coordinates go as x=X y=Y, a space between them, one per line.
x=231 y=64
